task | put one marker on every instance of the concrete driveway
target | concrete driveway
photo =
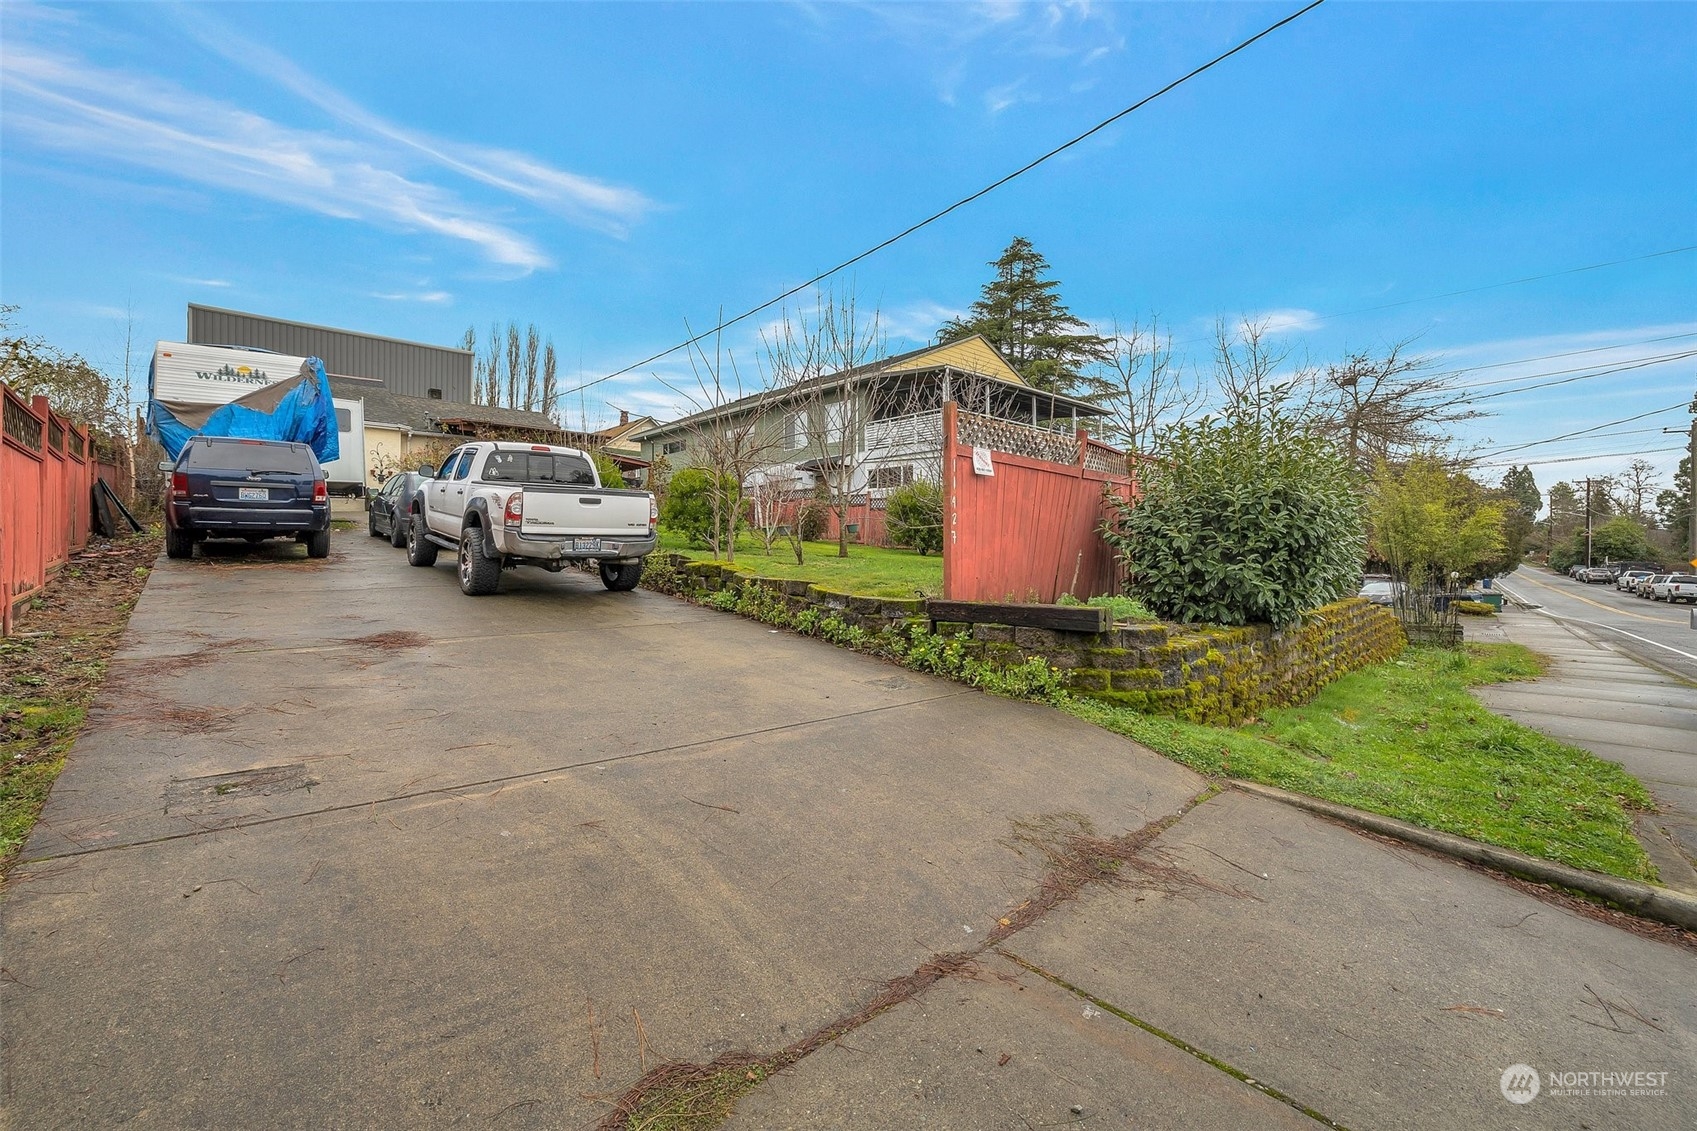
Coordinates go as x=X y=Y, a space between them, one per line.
x=343 y=848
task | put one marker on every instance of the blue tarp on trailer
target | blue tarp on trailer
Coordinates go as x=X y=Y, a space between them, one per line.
x=298 y=409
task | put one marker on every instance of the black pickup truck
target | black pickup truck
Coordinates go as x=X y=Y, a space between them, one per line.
x=222 y=487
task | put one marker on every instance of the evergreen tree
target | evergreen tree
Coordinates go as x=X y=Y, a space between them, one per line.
x=1523 y=488
x=1022 y=315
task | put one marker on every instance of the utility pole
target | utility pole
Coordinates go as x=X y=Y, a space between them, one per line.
x=1587 y=522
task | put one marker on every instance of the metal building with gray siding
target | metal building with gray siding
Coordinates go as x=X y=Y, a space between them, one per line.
x=411 y=369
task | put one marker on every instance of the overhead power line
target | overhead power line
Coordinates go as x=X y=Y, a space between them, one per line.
x=1577 y=459
x=1584 y=431
x=1580 y=377
x=961 y=203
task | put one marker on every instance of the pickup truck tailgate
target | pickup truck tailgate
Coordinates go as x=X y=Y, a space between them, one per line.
x=584 y=512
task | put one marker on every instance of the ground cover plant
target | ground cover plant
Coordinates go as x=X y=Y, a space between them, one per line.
x=51 y=668
x=1407 y=740
x=868 y=571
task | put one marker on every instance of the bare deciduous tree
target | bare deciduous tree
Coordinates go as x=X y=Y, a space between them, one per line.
x=1633 y=491
x=1252 y=378
x=1387 y=408
x=492 y=366
x=811 y=360
x=728 y=445
x=1140 y=385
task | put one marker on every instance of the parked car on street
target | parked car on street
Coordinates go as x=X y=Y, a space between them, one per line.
x=225 y=487
x=1594 y=574
x=501 y=505
x=1380 y=590
x=1674 y=588
x=387 y=510
x=1647 y=587
x=1629 y=579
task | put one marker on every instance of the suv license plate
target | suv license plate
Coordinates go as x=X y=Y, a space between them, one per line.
x=586 y=545
x=251 y=494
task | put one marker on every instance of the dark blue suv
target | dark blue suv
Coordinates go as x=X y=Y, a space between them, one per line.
x=223 y=487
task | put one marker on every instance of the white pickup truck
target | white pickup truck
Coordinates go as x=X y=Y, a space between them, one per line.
x=498 y=505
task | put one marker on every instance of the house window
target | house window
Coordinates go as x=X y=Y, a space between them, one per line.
x=672 y=447
x=836 y=422
x=795 y=431
x=891 y=475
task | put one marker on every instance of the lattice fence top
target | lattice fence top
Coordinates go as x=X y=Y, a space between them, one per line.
x=22 y=426
x=1015 y=439
x=1108 y=461
x=55 y=435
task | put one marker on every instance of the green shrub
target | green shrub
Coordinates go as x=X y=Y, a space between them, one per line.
x=1241 y=521
x=1119 y=608
x=688 y=509
x=915 y=517
x=609 y=471
x=1474 y=608
x=810 y=520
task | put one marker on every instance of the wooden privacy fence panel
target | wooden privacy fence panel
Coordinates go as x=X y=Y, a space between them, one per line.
x=46 y=471
x=1029 y=531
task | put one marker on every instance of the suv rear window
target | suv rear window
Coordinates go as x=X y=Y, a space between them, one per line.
x=257 y=456
x=538 y=467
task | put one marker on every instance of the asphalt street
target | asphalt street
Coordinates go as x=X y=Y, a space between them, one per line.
x=1652 y=631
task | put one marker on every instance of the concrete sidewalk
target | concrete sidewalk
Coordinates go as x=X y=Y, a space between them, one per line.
x=1600 y=699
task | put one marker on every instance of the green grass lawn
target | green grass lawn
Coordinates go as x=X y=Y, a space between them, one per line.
x=869 y=571
x=1406 y=739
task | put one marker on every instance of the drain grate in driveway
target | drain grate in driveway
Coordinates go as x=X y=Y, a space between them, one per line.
x=197 y=793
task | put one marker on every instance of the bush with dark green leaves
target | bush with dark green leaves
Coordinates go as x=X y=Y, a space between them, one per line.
x=688 y=509
x=1241 y=521
x=914 y=515
x=607 y=470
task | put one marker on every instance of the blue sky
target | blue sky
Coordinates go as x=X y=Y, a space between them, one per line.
x=614 y=171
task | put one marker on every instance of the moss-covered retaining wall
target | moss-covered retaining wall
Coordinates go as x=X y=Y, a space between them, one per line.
x=1204 y=674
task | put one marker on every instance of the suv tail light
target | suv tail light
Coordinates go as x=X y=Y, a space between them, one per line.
x=320 y=491
x=653 y=514
x=515 y=509
x=179 y=485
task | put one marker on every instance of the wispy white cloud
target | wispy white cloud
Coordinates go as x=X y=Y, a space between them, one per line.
x=1288 y=321
x=586 y=200
x=193 y=282
x=986 y=50
x=433 y=297
x=368 y=170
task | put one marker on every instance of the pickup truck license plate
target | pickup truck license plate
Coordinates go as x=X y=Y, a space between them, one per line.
x=586 y=545
x=246 y=494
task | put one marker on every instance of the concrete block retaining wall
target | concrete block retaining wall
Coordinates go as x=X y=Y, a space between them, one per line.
x=1204 y=674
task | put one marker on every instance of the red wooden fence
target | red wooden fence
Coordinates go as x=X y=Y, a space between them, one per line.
x=1028 y=530
x=46 y=467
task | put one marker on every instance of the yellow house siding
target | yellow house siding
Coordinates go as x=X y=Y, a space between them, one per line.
x=973 y=355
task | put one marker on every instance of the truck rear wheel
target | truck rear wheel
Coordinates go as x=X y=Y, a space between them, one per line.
x=622 y=577
x=178 y=543
x=420 y=551
x=479 y=575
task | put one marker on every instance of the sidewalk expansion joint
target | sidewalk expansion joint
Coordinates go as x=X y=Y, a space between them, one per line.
x=1177 y=1042
x=458 y=787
